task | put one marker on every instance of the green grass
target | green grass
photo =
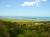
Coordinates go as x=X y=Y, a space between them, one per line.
x=16 y=20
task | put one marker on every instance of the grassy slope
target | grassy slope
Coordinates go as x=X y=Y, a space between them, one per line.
x=21 y=20
x=16 y=20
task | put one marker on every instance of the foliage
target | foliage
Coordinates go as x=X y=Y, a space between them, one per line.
x=15 y=29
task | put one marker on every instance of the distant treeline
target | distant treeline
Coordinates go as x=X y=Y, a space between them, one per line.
x=14 y=29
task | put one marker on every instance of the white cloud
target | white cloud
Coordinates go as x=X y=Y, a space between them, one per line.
x=28 y=3
x=35 y=2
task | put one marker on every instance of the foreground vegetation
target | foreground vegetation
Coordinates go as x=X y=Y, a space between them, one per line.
x=24 y=29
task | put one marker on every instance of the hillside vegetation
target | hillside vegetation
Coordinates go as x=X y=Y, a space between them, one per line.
x=26 y=28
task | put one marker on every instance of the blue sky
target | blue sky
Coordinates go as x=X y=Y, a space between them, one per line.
x=25 y=8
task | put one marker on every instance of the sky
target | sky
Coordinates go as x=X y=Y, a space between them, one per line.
x=25 y=8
